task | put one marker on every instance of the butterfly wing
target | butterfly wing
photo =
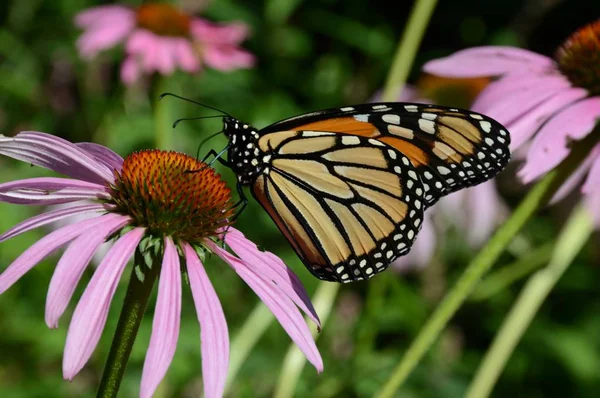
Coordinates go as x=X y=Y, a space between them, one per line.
x=450 y=148
x=349 y=205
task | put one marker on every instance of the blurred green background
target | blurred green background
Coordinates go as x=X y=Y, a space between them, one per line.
x=311 y=55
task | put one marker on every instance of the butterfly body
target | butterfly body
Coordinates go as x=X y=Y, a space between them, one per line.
x=348 y=186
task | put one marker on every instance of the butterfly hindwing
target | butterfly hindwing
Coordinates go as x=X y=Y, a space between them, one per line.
x=349 y=205
x=450 y=148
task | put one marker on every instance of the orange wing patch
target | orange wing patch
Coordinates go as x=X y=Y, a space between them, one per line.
x=347 y=125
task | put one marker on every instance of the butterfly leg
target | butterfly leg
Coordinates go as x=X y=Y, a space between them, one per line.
x=240 y=204
x=217 y=156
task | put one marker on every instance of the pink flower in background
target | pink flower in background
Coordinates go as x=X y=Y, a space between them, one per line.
x=544 y=103
x=160 y=38
x=150 y=205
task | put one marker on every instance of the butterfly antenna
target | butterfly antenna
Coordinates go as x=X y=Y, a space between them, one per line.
x=204 y=141
x=193 y=118
x=163 y=95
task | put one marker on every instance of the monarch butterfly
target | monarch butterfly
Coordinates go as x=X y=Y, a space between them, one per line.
x=348 y=186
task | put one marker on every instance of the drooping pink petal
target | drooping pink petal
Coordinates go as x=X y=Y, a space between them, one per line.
x=214 y=337
x=56 y=154
x=29 y=196
x=509 y=108
x=165 y=325
x=576 y=177
x=91 y=312
x=73 y=262
x=103 y=155
x=185 y=56
x=526 y=126
x=550 y=146
x=592 y=182
x=279 y=303
x=164 y=56
x=488 y=61
x=144 y=45
x=422 y=250
x=208 y=32
x=43 y=247
x=273 y=268
x=227 y=58
x=486 y=211
x=505 y=86
x=104 y=15
x=130 y=70
x=50 y=217
x=101 y=37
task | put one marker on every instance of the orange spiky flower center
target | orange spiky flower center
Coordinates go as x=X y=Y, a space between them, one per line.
x=172 y=194
x=579 y=58
x=163 y=19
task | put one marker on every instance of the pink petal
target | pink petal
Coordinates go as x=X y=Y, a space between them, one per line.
x=102 y=37
x=509 y=108
x=488 y=61
x=505 y=86
x=43 y=247
x=165 y=326
x=550 y=146
x=207 y=32
x=55 y=154
x=422 y=250
x=576 y=177
x=273 y=268
x=34 y=196
x=164 y=57
x=145 y=45
x=91 y=312
x=278 y=302
x=130 y=70
x=50 y=217
x=73 y=262
x=185 y=56
x=592 y=183
x=227 y=58
x=104 y=15
x=103 y=155
x=213 y=326
x=525 y=127
x=486 y=210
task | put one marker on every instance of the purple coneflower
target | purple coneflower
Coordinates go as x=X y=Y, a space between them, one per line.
x=152 y=206
x=159 y=37
x=545 y=103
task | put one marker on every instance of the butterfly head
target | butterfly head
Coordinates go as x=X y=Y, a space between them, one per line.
x=244 y=155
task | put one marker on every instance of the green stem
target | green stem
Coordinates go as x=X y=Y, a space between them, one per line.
x=574 y=235
x=161 y=116
x=246 y=338
x=505 y=276
x=537 y=198
x=132 y=313
x=294 y=360
x=407 y=48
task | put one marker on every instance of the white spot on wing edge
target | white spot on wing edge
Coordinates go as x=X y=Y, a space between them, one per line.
x=427 y=126
x=347 y=109
x=391 y=118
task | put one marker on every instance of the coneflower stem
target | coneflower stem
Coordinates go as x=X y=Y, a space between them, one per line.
x=575 y=234
x=134 y=306
x=538 y=197
x=407 y=48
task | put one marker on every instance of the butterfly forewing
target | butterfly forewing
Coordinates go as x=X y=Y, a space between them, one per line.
x=349 y=205
x=451 y=149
